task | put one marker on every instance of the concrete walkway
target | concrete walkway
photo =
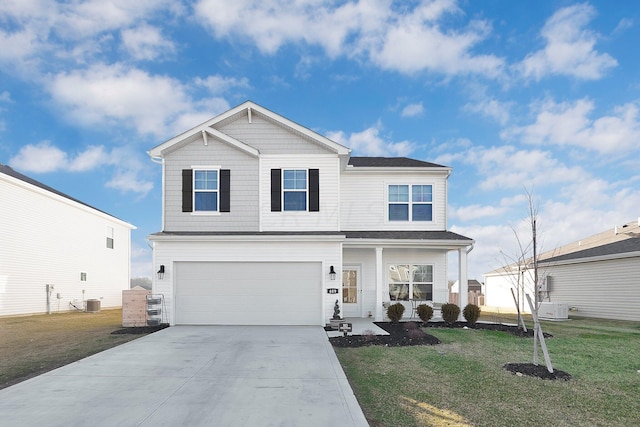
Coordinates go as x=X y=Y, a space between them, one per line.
x=195 y=376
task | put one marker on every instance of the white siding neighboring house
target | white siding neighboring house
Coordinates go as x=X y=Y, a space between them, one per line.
x=598 y=276
x=258 y=210
x=47 y=237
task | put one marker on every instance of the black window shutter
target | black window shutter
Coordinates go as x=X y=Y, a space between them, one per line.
x=314 y=190
x=276 y=182
x=225 y=190
x=187 y=189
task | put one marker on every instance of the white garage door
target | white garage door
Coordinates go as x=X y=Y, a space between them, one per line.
x=240 y=293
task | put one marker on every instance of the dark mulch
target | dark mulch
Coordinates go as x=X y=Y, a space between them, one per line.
x=410 y=333
x=400 y=334
x=511 y=329
x=538 y=371
x=140 y=330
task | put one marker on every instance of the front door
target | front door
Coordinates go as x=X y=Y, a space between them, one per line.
x=351 y=292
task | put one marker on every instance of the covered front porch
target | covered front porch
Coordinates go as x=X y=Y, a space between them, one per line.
x=379 y=271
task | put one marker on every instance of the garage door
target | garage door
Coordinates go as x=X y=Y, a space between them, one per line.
x=258 y=293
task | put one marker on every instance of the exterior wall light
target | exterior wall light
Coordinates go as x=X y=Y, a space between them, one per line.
x=161 y=272
x=332 y=273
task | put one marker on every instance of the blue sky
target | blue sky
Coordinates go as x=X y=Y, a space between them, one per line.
x=512 y=95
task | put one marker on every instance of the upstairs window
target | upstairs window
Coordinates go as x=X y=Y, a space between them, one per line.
x=410 y=202
x=109 y=237
x=205 y=190
x=294 y=185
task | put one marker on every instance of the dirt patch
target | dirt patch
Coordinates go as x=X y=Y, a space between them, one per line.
x=538 y=371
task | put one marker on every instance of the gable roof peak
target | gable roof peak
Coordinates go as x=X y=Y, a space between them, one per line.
x=249 y=108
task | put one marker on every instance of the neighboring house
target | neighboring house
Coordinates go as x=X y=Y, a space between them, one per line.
x=474 y=289
x=49 y=238
x=598 y=276
x=267 y=222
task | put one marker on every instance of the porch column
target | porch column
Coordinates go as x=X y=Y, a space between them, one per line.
x=380 y=285
x=463 y=281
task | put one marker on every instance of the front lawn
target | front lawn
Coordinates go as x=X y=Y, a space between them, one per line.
x=32 y=345
x=462 y=382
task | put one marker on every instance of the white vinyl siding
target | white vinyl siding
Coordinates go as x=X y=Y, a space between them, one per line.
x=49 y=239
x=243 y=189
x=326 y=219
x=365 y=200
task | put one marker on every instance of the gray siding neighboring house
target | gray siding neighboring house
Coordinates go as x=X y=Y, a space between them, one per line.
x=598 y=276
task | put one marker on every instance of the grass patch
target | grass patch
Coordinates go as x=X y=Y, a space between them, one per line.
x=32 y=345
x=461 y=381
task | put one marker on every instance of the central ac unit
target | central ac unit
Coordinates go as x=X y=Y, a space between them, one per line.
x=553 y=310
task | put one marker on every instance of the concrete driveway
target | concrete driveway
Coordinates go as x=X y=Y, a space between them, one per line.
x=195 y=376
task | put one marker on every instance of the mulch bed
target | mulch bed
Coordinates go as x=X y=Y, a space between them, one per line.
x=400 y=334
x=511 y=329
x=140 y=330
x=538 y=371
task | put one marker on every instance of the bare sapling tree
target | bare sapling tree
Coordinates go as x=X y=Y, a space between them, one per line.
x=523 y=269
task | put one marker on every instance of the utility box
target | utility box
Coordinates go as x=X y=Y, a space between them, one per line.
x=553 y=310
x=134 y=307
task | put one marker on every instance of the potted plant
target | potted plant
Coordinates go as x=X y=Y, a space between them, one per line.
x=336 y=319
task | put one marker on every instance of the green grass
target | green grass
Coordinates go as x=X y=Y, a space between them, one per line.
x=461 y=381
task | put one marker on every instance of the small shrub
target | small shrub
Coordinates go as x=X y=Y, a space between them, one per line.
x=425 y=312
x=471 y=313
x=450 y=313
x=395 y=312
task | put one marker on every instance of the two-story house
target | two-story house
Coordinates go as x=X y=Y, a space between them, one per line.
x=267 y=222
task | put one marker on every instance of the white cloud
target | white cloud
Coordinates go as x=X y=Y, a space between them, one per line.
x=39 y=158
x=413 y=110
x=569 y=48
x=218 y=84
x=369 y=143
x=569 y=124
x=129 y=181
x=45 y=158
x=405 y=39
x=472 y=212
x=490 y=107
x=117 y=95
x=147 y=43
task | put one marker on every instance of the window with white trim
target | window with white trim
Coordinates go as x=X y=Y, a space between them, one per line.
x=294 y=186
x=410 y=202
x=109 y=237
x=410 y=281
x=205 y=190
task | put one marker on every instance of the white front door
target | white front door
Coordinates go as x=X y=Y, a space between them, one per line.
x=351 y=292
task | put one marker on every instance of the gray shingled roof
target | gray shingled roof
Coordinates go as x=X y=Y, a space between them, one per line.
x=397 y=235
x=394 y=162
x=406 y=235
x=17 y=175
x=623 y=246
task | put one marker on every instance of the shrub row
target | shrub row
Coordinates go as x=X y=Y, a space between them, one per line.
x=450 y=312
